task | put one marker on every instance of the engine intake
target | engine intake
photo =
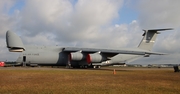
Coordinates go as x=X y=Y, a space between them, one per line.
x=76 y=56
x=95 y=58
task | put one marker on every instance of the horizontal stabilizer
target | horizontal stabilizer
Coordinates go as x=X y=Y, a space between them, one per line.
x=159 y=29
x=156 y=53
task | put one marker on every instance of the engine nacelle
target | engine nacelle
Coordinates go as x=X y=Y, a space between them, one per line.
x=95 y=58
x=76 y=56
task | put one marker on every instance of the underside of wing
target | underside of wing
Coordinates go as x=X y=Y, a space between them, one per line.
x=112 y=51
x=106 y=52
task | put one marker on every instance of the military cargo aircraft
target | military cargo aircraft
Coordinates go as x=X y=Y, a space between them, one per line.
x=81 y=57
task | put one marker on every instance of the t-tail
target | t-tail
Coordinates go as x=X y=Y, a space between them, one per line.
x=149 y=38
x=14 y=43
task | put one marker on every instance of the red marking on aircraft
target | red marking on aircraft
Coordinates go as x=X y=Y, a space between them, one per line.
x=2 y=64
x=89 y=59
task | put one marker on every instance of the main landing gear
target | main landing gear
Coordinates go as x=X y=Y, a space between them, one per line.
x=96 y=66
x=84 y=67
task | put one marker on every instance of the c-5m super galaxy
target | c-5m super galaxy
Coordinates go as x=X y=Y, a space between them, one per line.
x=81 y=57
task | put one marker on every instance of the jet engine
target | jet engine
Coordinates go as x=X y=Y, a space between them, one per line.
x=76 y=56
x=95 y=58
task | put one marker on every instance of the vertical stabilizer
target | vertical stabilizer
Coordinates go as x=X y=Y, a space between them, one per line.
x=149 y=38
x=14 y=43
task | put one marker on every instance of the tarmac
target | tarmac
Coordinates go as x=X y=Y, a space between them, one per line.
x=73 y=69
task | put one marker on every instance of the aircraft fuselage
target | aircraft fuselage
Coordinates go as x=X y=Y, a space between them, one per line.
x=43 y=55
x=77 y=57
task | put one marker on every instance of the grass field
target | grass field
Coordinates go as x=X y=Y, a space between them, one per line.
x=58 y=81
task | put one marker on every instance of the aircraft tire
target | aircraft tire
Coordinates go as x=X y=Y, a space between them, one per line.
x=85 y=67
x=98 y=67
x=94 y=67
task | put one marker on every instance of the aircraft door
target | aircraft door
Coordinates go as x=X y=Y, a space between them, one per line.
x=24 y=60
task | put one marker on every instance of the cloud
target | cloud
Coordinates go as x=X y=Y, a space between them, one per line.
x=89 y=23
x=63 y=22
x=68 y=22
x=87 y=19
x=6 y=21
x=157 y=14
x=40 y=39
x=43 y=16
x=162 y=14
x=4 y=52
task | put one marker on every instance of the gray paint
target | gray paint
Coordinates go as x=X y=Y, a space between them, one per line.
x=14 y=43
x=60 y=56
x=149 y=38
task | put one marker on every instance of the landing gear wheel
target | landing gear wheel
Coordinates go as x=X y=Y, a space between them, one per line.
x=85 y=67
x=94 y=67
x=98 y=67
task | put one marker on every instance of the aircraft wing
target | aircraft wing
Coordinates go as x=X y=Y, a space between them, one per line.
x=112 y=51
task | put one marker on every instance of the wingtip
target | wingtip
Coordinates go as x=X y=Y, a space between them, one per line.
x=169 y=29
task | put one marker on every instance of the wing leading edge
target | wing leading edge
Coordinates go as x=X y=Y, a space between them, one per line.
x=112 y=51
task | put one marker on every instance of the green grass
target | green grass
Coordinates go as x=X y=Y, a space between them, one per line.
x=89 y=82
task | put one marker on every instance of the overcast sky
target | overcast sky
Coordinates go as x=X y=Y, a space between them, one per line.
x=92 y=23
